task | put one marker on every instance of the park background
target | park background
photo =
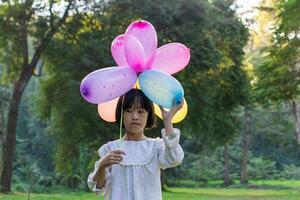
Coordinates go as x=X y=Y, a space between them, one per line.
x=241 y=135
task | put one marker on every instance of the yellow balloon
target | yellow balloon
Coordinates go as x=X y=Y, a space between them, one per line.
x=179 y=116
x=137 y=85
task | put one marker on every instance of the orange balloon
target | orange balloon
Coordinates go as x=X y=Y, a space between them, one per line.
x=107 y=110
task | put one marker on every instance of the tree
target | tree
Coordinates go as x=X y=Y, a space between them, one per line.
x=227 y=180
x=4 y=100
x=278 y=76
x=245 y=145
x=260 y=27
x=19 y=22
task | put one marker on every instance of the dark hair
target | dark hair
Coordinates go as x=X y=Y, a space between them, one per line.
x=136 y=96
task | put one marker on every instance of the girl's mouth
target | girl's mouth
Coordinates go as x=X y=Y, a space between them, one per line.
x=135 y=123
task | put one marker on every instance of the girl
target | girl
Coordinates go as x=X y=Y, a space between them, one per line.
x=129 y=169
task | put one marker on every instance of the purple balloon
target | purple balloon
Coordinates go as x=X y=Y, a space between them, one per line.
x=107 y=84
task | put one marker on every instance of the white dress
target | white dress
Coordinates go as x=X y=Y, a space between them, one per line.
x=138 y=175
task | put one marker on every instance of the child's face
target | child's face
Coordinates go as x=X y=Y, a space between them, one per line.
x=135 y=119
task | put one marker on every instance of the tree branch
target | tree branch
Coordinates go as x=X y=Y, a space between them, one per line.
x=23 y=17
x=48 y=36
x=51 y=14
x=24 y=42
x=28 y=71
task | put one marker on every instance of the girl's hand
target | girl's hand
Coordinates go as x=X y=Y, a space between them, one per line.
x=113 y=157
x=168 y=115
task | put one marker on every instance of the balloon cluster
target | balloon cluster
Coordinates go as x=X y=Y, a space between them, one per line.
x=140 y=63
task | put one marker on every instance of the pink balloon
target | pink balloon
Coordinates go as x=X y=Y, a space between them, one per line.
x=107 y=84
x=135 y=53
x=107 y=110
x=118 y=51
x=146 y=35
x=171 y=58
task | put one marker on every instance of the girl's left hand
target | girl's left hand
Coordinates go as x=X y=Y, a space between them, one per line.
x=168 y=115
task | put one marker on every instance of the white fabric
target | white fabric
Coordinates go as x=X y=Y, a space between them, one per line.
x=138 y=175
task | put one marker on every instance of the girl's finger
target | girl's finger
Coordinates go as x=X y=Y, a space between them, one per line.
x=118 y=156
x=161 y=108
x=118 y=152
x=178 y=106
x=115 y=160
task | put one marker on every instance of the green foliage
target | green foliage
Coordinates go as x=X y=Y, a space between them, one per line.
x=290 y=172
x=10 y=43
x=30 y=172
x=261 y=168
x=214 y=81
x=23 y=25
x=273 y=135
x=277 y=77
x=202 y=168
x=272 y=151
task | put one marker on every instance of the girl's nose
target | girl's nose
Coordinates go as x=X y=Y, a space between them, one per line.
x=135 y=115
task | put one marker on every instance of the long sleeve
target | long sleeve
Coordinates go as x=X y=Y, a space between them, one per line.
x=108 y=177
x=170 y=153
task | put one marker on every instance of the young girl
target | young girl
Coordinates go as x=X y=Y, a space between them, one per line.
x=129 y=169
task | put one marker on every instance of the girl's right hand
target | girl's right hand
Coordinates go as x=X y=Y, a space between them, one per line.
x=113 y=157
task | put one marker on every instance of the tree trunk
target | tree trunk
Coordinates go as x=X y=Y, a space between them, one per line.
x=10 y=141
x=2 y=133
x=5 y=97
x=244 y=146
x=227 y=180
x=295 y=113
x=1 y=151
x=244 y=161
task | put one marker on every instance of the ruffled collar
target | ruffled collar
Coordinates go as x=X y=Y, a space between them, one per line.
x=137 y=152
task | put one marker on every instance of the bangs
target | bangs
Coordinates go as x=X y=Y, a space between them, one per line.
x=136 y=101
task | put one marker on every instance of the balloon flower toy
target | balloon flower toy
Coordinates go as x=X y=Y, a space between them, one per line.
x=139 y=64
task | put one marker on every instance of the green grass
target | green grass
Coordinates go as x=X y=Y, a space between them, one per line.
x=177 y=194
x=253 y=184
x=291 y=184
x=255 y=190
x=231 y=194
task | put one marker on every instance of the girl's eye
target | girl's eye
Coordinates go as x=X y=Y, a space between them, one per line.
x=128 y=110
x=142 y=111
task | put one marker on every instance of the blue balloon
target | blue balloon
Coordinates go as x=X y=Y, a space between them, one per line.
x=161 y=88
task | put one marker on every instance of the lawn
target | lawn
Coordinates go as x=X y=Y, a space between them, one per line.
x=258 y=190
x=178 y=194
